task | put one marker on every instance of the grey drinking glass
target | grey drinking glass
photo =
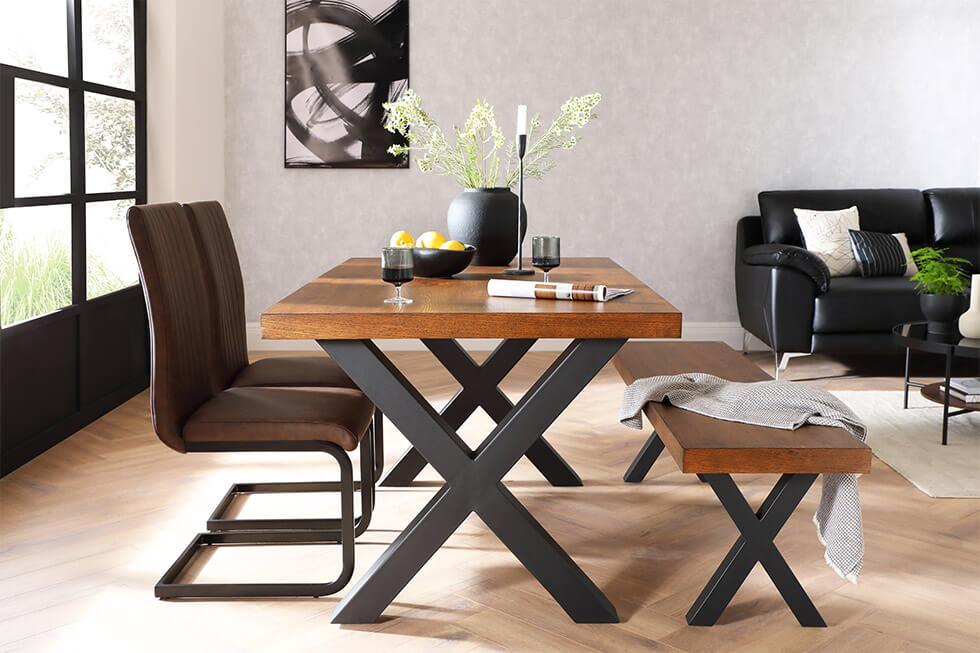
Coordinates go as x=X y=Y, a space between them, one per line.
x=546 y=253
x=396 y=269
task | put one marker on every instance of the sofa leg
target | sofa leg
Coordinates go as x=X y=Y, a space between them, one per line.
x=745 y=342
x=782 y=360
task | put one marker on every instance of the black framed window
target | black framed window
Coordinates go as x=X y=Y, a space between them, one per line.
x=73 y=136
x=72 y=160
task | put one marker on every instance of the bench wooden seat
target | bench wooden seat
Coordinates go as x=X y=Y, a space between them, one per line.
x=700 y=445
x=714 y=449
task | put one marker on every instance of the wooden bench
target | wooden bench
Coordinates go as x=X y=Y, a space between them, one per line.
x=715 y=449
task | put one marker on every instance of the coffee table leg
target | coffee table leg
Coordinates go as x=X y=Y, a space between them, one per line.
x=908 y=365
x=473 y=479
x=949 y=373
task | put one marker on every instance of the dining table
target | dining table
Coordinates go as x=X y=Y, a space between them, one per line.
x=343 y=310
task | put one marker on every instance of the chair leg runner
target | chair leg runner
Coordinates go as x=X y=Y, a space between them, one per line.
x=368 y=450
x=368 y=479
x=168 y=587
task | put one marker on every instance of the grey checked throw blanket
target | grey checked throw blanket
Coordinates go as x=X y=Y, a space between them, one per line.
x=781 y=405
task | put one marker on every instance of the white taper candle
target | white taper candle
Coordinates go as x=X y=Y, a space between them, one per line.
x=522 y=120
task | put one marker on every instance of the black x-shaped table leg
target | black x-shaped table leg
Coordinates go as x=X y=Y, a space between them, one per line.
x=479 y=389
x=756 y=544
x=473 y=479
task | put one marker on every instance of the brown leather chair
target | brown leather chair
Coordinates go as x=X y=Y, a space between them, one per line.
x=226 y=290
x=195 y=409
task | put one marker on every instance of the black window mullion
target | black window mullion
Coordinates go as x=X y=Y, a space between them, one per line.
x=34 y=75
x=139 y=85
x=112 y=91
x=6 y=140
x=76 y=129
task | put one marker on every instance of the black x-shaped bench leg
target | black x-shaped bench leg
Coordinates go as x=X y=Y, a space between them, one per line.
x=756 y=544
x=480 y=389
x=644 y=460
x=473 y=479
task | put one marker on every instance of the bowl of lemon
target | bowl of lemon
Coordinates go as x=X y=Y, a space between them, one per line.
x=433 y=255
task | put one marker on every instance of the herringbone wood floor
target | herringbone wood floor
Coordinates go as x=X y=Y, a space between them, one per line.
x=88 y=528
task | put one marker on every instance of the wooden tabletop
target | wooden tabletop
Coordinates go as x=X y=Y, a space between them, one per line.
x=705 y=445
x=347 y=303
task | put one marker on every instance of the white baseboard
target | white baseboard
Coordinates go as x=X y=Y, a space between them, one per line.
x=727 y=332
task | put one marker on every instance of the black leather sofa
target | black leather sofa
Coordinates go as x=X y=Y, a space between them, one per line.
x=785 y=295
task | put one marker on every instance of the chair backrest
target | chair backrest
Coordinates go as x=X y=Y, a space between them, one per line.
x=176 y=294
x=225 y=288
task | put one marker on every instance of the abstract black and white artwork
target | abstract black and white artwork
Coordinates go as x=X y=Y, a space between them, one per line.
x=344 y=59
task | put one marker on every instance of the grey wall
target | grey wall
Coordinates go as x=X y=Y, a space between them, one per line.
x=705 y=103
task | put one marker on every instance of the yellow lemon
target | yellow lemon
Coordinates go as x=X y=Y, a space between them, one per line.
x=431 y=239
x=402 y=239
x=453 y=244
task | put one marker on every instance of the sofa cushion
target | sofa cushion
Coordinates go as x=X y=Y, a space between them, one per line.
x=956 y=214
x=859 y=304
x=882 y=255
x=825 y=233
x=884 y=210
x=956 y=221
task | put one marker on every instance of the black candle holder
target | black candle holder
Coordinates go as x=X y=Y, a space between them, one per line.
x=521 y=149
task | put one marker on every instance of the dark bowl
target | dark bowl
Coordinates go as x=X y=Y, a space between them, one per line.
x=429 y=262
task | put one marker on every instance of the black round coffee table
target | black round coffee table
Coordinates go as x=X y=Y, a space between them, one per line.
x=915 y=336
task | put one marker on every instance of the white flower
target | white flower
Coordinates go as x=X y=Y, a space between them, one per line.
x=473 y=158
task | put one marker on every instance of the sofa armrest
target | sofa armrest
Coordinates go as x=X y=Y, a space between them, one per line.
x=775 y=303
x=789 y=256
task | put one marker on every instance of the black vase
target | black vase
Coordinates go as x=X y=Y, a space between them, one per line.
x=487 y=219
x=942 y=312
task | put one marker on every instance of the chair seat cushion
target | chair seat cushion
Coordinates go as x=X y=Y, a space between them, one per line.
x=338 y=415
x=297 y=371
x=866 y=304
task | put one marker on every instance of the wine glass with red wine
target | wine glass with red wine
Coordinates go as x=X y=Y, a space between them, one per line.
x=546 y=253
x=396 y=269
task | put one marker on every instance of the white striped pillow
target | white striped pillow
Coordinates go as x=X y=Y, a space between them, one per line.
x=881 y=255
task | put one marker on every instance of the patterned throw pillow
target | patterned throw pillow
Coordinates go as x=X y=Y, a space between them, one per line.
x=825 y=233
x=882 y=255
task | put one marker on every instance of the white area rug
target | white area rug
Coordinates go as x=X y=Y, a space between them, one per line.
x=908 y=441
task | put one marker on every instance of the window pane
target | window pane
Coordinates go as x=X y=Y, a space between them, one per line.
x=41 y=144
x=35 y=261
x=107 y=37
x=110 y=144
x=111 y=263
x=34 y=35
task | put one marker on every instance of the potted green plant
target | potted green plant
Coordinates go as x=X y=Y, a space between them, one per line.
x=485 y=213
x=941 y=283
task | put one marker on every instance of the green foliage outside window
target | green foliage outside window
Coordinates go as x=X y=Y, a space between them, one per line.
x=37 y=280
